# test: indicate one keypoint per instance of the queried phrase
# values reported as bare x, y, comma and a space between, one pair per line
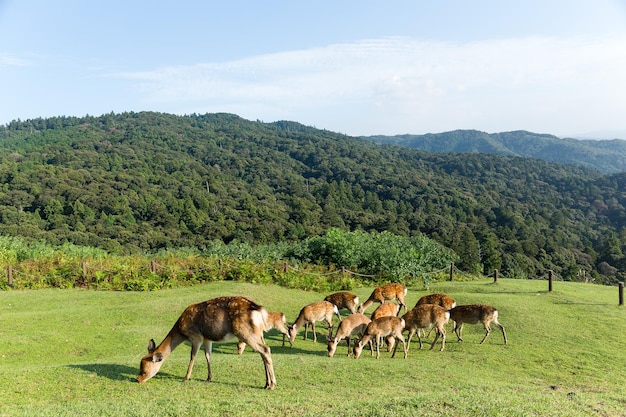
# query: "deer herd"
227, 318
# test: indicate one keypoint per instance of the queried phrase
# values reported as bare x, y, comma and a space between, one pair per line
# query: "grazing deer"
320, 310
344, 299
474, 314
387, 308
442, 300
216, 320
379, 328
383, 293
353, 324
275, 320
426, 316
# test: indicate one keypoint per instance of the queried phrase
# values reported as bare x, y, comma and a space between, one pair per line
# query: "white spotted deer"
344, 300
309, 314
216, 320
379, 328
353, 324
426, 316
474, 314
443, 300
388, 308
384, 293
275, 320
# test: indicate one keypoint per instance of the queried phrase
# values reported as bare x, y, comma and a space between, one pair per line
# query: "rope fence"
155, 268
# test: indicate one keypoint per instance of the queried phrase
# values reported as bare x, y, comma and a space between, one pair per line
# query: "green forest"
135, 183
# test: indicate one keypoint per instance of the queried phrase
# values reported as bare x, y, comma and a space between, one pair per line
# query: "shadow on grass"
117, 372
111, 371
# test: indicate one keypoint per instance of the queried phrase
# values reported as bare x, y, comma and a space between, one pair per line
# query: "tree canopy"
137, 182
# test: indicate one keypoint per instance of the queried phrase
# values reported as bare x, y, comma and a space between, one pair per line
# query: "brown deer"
215, 320
319, 310
379, 328
385, 292
344, 299
442, 300
474, 314
275, 320
426, 316
387, 308
353, 324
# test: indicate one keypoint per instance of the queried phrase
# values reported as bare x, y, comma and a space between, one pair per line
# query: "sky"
354, 67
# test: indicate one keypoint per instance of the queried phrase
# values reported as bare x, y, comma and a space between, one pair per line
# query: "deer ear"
157, 357
151, 346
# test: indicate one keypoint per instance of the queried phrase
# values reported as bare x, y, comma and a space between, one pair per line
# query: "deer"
379, 328
474, 314
275, 320
319, 310
216, 320
387, 308
442, 300
353, 324
383, 293
425, 316
344, 299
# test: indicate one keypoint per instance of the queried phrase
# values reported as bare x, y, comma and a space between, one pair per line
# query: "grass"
76, 352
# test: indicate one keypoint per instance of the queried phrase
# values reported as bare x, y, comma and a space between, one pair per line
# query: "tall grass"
76, 352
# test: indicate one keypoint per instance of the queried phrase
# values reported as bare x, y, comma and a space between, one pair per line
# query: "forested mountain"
143, 181
608, 156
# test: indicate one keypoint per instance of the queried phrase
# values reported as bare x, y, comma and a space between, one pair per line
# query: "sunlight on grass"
76, 352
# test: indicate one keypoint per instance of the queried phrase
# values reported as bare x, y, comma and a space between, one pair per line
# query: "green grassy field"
76, 352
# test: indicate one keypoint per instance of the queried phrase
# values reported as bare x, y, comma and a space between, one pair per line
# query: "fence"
154, 268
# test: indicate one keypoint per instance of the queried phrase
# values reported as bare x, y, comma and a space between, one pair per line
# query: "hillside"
608, 156
144, 181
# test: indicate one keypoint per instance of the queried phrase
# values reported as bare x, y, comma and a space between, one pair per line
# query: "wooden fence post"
285, 267
451, 270
621, 293
153, 267
550, 272
10, 275
495, 276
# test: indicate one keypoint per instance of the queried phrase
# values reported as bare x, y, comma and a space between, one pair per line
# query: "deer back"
442, 300
426, 315
353, 323
386, 309
343, 299
473, 313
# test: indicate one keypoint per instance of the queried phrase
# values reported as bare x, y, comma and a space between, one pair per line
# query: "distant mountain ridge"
607, 156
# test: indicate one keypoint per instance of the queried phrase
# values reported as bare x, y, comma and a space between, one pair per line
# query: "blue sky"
356, 67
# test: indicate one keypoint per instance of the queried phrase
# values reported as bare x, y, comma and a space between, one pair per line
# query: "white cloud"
402, 85
12, 61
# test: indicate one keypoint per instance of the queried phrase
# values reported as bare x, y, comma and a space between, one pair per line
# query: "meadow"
68, 352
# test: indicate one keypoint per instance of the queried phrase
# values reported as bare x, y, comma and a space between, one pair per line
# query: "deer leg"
330, 326
501, 328
195, 347
406, 352
419, 337
488, 329
437, 334
208, 349
458, 329
257, 343
314, 334
411, 333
